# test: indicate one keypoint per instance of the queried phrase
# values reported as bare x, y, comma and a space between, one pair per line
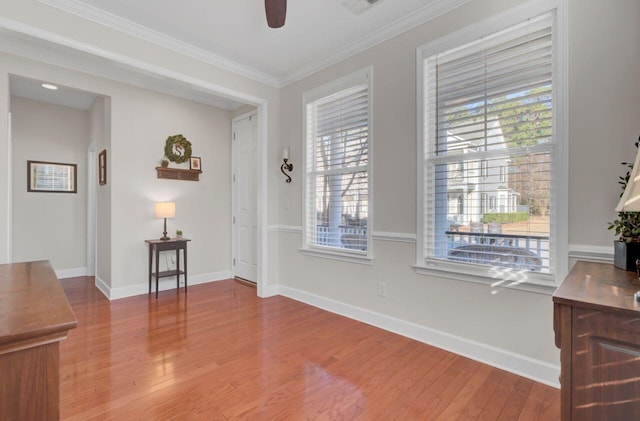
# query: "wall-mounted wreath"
177, 149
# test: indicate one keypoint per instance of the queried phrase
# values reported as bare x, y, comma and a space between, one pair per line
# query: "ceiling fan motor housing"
276, 11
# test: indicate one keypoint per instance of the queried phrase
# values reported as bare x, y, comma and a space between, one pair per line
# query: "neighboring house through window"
337, 196
488, 147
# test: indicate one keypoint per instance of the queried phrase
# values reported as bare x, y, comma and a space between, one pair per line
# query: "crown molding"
425, 14
393, 29
117, 23
125, 62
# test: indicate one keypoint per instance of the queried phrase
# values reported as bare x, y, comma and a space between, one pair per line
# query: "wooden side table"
155, 247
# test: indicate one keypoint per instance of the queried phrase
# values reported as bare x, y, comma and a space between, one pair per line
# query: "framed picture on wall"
51, 177
194, 163
102, 167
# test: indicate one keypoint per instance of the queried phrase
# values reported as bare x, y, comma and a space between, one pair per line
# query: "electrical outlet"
382, 289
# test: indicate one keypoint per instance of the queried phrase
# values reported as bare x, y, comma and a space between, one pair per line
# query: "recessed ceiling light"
359, 6
49, 86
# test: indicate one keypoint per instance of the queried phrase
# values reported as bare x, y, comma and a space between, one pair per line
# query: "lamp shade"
165, 209
630, 200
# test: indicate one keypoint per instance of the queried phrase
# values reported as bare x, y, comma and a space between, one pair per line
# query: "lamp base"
625, 255
165, 237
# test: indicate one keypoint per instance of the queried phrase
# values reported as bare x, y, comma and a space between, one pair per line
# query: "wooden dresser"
34, 316
597, 328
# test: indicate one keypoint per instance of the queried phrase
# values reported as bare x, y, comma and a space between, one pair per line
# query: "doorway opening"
56, 129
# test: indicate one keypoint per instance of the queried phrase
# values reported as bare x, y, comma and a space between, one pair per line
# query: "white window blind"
337, 171
489, 144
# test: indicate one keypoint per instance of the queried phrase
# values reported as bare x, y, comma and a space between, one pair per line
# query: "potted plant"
178, 233
164, 163
627, 226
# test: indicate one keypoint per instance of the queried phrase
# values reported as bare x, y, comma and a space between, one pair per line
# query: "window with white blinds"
337, 168
489, 150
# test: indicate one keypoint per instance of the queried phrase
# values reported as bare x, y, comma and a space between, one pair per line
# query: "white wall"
242, 110
5, 160
134, 135
604, 96
49, 226
604, 62
604, 108
100, 126
30, 18
141, 122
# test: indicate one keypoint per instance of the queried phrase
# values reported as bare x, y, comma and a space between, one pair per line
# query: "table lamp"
630, 202
165, 210
630, 199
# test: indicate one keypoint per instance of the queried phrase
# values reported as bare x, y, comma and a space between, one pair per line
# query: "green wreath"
177, 149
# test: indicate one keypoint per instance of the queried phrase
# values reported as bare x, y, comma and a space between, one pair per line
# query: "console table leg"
185, 268
178, 270
157, 269
150, 265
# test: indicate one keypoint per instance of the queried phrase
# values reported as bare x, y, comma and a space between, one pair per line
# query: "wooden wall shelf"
178, 174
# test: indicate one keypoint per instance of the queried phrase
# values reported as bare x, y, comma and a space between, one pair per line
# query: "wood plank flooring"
220, 353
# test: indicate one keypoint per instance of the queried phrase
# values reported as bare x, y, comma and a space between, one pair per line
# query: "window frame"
363, 76
484, 274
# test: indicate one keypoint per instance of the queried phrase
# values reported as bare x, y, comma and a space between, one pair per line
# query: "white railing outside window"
489, 144
337, 197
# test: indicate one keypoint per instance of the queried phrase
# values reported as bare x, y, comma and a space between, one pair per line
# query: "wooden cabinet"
597, 328
34, 316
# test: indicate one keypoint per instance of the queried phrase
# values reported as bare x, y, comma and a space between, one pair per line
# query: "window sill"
495, 277
343, 257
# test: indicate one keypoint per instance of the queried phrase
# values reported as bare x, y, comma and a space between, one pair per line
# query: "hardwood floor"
219, 353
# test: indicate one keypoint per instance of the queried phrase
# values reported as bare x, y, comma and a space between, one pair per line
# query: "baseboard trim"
71, 273
164, 285
268, 291
102, 287
521, 365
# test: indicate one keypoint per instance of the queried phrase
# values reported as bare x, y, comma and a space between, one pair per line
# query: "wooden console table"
34, 317
155, 247
597, 328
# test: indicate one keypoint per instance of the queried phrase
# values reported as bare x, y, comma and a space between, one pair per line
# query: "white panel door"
245, 215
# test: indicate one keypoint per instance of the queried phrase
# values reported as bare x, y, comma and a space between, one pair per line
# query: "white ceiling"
234, 34
32, 89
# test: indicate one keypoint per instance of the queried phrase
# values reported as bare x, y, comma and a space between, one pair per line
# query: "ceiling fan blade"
276, 11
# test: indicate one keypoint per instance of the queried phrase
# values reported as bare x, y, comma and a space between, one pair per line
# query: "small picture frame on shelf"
194, 163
